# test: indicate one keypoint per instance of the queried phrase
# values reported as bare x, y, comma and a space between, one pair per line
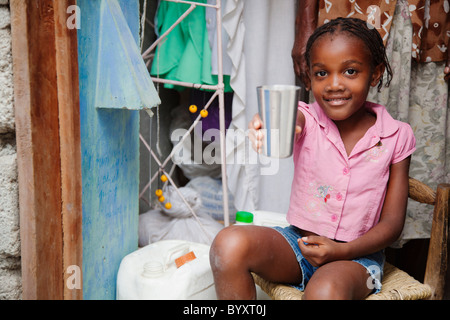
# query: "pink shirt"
340, 196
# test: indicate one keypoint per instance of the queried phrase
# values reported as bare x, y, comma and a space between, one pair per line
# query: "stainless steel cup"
277, 105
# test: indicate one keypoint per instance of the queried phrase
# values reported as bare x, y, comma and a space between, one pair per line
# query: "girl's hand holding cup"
255, 133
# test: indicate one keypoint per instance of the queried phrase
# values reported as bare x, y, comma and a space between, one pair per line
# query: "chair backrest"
437, 260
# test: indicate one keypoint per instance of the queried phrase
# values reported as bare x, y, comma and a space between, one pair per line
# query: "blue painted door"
110, 163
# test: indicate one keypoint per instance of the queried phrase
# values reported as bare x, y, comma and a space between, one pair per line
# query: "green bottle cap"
244, 216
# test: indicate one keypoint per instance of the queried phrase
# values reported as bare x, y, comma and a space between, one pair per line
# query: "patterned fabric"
418, 94
431, 29
378, 13
430, 19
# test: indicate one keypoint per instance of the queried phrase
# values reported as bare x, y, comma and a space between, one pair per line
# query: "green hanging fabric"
185, 54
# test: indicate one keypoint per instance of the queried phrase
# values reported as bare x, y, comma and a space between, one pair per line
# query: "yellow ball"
163, 178
193, 108
161, 199
159, 193
204, 113
168, 205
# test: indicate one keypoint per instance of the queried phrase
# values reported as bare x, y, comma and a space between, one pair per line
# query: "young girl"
350, 185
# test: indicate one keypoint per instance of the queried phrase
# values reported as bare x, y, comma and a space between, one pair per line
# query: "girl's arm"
382, 235
392, 216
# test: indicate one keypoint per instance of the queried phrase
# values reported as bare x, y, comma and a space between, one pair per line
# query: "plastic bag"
178, 223
211, 194
179, 208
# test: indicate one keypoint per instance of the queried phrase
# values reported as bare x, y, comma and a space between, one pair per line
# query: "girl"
350, 184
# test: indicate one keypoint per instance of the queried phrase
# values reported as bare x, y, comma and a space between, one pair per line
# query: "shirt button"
345, 171
334, 218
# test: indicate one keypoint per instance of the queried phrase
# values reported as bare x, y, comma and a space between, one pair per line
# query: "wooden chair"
397, 284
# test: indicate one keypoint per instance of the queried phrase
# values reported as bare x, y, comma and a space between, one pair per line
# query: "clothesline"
189, 84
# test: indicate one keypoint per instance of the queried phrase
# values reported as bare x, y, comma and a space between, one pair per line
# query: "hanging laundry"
198, 97
185, 54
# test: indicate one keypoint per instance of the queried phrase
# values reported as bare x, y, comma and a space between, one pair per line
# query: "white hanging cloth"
261, 36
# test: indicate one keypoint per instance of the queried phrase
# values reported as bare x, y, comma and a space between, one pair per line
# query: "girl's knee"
340, 280
230, 247
325, 290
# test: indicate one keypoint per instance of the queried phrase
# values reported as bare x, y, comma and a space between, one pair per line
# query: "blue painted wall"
110, 165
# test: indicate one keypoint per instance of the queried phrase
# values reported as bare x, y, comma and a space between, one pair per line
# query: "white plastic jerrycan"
167, 270
269, 219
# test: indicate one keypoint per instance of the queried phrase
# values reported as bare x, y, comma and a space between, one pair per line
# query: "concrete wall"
10, 272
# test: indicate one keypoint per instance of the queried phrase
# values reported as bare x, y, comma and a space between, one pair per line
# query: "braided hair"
360, 29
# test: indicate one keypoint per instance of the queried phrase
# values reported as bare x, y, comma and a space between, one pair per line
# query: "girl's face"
341, 74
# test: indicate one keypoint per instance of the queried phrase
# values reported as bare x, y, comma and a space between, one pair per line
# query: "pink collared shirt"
340, 196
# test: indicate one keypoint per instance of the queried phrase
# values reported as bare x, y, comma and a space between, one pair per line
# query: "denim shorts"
373, 263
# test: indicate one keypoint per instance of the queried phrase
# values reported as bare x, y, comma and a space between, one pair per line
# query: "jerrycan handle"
174, 253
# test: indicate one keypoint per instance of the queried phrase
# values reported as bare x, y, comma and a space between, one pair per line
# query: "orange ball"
204, 113
161, 199
193, 108
159, 193
163, 178
168, 205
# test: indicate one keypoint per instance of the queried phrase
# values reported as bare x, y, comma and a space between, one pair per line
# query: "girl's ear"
377, 74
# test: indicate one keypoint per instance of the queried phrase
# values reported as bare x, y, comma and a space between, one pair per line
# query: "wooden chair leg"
438, 250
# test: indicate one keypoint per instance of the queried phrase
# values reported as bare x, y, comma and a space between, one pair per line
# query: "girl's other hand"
255, 134
320, 250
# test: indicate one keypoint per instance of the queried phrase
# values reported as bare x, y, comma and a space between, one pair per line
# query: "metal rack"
218, 93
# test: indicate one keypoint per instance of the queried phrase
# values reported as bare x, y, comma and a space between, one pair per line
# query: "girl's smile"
337, 101
341, 75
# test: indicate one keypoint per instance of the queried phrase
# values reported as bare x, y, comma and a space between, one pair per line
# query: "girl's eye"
350, 72
321, 73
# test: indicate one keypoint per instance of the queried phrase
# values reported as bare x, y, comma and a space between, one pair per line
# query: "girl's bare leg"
338, 280
239, 250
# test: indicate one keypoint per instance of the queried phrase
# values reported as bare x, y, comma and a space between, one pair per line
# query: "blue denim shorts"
373, 263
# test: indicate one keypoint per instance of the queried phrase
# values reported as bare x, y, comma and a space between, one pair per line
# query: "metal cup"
277, 105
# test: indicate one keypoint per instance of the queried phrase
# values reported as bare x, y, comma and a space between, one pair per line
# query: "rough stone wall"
10, 268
